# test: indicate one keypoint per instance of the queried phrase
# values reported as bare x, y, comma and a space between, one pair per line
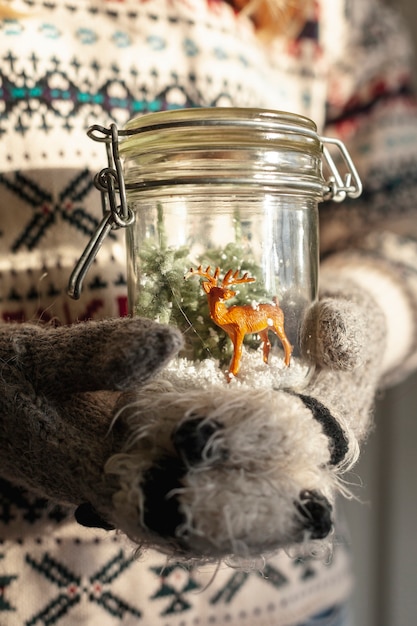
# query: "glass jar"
220, 207
224, 244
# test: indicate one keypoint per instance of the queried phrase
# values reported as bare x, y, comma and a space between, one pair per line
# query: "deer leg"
280, 332
266, 344
237, 340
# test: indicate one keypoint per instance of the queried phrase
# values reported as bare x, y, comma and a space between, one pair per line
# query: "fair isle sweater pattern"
72, 64
67, 65
114, 60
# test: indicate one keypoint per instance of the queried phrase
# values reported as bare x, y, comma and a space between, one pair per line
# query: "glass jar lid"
223, 146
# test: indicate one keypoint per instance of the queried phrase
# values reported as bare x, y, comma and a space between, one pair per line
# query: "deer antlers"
230, 278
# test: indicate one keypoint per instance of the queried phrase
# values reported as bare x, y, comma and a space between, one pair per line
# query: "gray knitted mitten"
195, 471
226, 469
58, 388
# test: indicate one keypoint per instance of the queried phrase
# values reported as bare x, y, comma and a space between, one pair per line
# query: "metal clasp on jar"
116, 214
339, 187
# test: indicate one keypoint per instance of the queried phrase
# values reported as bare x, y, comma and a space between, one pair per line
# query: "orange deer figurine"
238, 321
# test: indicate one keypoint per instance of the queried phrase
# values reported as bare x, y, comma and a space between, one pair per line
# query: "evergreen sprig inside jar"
224, 241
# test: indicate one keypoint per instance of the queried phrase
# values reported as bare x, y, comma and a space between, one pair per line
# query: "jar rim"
218, 127
207, 116
222, 145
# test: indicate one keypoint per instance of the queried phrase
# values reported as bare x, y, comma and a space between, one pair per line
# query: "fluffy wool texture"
196, 471
240, 497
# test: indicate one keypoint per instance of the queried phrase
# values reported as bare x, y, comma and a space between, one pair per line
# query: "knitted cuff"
385, 265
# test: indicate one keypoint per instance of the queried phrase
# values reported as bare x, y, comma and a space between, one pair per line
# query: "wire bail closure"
339, 188
116, 213
109, 181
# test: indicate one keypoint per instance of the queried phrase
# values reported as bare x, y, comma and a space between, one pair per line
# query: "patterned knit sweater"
66, 64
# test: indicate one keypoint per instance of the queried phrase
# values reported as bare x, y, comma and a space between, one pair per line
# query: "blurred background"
383, 525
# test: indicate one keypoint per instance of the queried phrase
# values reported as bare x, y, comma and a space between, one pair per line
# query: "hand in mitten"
58, 389
210, 470
198, 470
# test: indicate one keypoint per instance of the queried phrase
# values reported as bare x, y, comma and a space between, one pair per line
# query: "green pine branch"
169, 299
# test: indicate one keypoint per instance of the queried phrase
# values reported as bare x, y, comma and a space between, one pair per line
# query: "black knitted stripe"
339, 445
